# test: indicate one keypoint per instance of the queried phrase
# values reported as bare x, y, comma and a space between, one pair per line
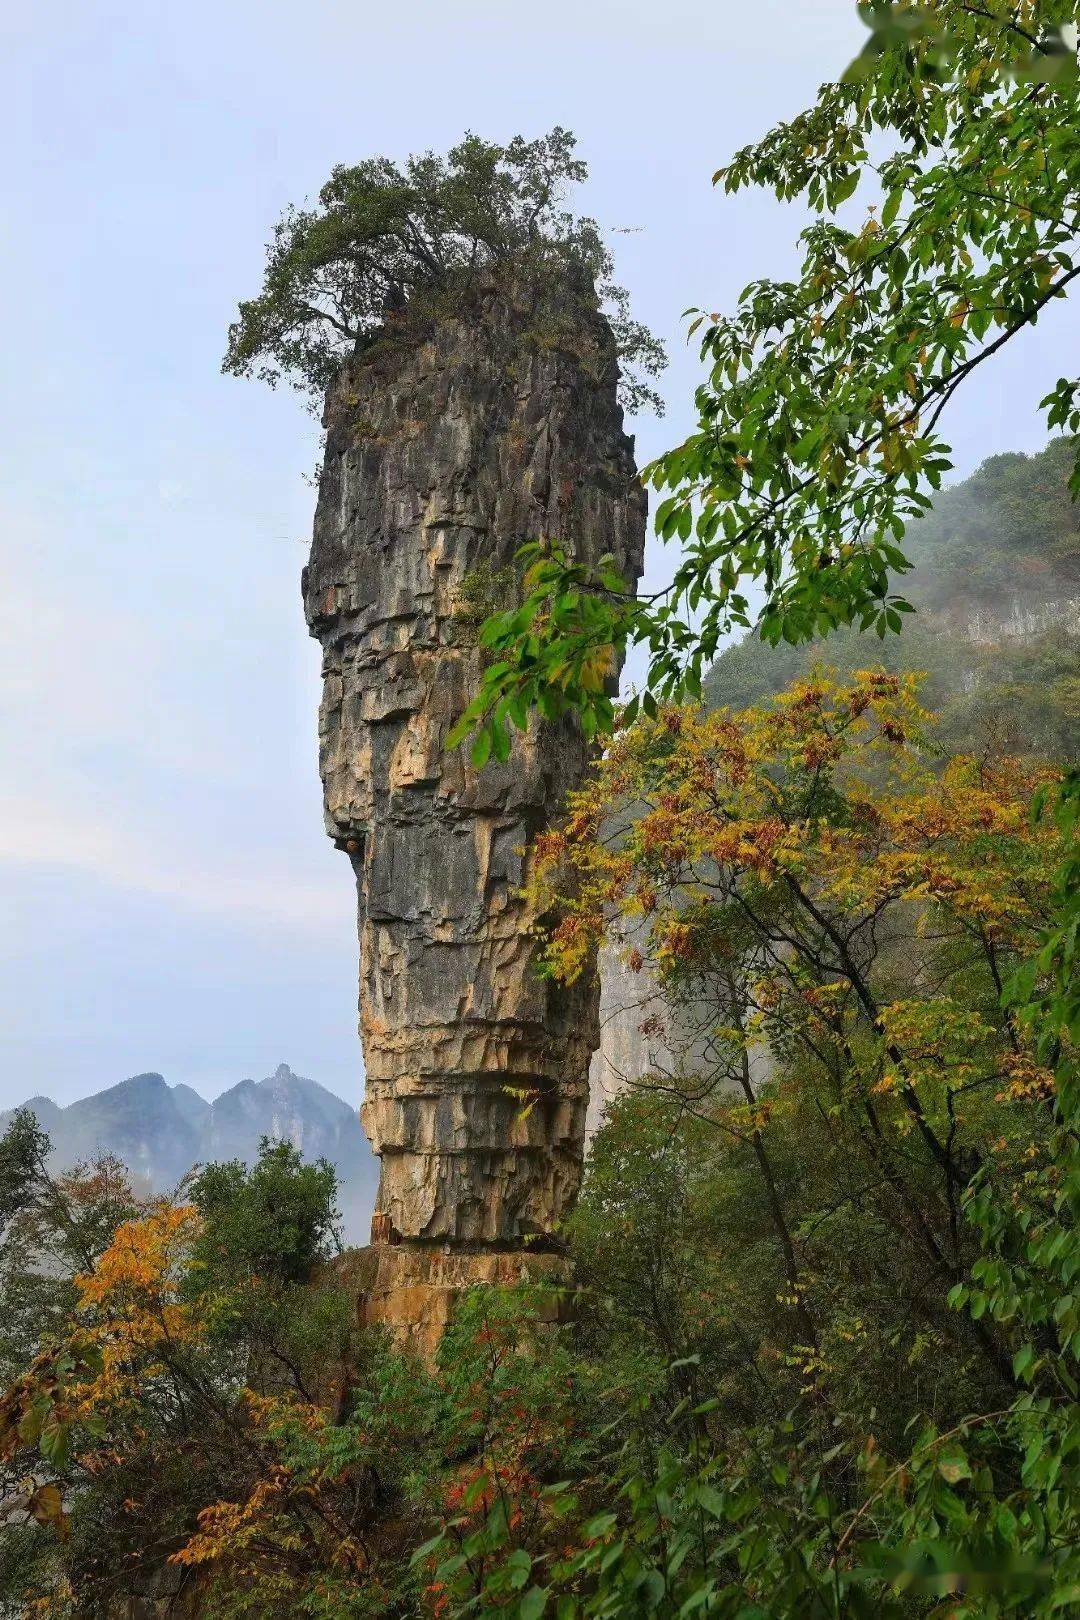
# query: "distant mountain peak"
193, 1100
161, 1131
45, 1111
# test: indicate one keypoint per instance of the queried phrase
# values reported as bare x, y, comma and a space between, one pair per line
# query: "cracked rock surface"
449, 444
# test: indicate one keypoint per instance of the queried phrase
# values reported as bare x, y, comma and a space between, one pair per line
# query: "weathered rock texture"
410, 1290
449, 444
633, 1027
645, 1033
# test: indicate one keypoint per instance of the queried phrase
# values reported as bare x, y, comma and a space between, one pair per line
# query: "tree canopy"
822, 410
385, 235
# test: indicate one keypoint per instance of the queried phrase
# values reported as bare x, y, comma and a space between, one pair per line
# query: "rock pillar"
450, 442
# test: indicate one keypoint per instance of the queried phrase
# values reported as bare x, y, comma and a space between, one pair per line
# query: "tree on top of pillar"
386, 237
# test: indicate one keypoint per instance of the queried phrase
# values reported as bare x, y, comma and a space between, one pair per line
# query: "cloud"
252, 893
147, 743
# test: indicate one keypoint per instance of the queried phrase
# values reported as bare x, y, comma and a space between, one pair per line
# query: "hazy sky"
169, 900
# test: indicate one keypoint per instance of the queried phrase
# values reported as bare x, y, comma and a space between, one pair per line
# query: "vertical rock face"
633, 1027
449, 444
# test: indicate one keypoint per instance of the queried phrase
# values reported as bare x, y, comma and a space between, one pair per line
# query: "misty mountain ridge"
160, 1132
996, 582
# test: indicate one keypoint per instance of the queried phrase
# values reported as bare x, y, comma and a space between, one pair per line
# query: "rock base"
411, 1290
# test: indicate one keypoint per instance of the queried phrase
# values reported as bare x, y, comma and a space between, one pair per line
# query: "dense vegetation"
996, 581
818, 446
821, 412
821, 1364
148, 1333
387, 237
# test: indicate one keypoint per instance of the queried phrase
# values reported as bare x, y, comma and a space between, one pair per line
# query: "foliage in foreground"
819, 434
826, 1358
151, 1336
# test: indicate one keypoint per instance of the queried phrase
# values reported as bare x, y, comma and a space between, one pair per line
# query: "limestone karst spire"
449, 444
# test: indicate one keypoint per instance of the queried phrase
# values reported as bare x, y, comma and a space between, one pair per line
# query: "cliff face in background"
161, 1131
447, 448
996, 582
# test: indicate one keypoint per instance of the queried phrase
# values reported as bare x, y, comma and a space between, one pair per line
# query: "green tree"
260, 1261
820, 418
996, 574
52, 1227
385, 236
274, 1219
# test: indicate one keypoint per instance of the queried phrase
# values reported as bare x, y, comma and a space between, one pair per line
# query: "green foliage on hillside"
1011, 530
996, 581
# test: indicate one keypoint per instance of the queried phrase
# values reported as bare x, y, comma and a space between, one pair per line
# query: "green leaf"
519, 1566
55, 1443
33, 1421
711, 1500
533, 1604
500, 742
654, 1588
697, 1599
891, 207
952, 1464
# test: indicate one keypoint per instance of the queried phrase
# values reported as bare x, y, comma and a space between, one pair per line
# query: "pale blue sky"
169, 899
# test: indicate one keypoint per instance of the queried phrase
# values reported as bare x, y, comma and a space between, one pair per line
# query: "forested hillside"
996, 582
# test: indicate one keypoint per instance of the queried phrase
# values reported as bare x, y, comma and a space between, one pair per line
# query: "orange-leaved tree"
834, 1198
831, 909
160, 1385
